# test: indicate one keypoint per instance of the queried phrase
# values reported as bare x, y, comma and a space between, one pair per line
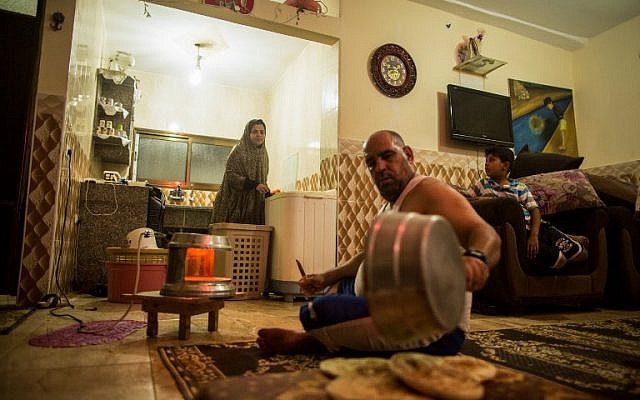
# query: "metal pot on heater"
196, 266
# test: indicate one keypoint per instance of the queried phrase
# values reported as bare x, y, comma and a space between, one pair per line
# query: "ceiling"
567, 24
164, 43
245, 57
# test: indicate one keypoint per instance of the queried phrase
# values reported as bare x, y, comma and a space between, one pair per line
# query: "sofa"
622, 200
568, 201
515, 284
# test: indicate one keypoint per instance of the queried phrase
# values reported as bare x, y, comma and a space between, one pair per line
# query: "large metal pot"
414, 276
196, 266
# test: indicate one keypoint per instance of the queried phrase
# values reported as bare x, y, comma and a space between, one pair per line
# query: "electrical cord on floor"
82, 328
54, 301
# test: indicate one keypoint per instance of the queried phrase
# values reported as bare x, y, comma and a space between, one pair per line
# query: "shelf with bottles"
106, 129
113, 120
114, 106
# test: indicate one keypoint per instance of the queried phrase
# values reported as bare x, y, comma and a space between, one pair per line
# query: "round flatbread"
433, 376
478, 369
382, 387
366, 366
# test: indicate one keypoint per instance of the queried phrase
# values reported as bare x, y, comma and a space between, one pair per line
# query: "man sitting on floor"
342, 321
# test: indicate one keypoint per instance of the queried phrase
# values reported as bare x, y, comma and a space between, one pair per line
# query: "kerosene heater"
196, 266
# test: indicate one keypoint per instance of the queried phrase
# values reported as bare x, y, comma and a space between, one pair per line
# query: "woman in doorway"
244, 185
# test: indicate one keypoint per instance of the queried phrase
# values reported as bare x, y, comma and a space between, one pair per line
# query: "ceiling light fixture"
196, 76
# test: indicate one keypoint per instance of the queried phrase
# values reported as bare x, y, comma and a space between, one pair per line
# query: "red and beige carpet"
593, 358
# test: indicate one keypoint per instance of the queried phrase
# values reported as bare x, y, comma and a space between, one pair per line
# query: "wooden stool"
154, 302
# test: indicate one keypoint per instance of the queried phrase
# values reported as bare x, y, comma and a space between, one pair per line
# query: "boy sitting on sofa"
547, 246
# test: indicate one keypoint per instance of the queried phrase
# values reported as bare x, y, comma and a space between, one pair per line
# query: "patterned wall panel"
329, 172
358, 201
41, 201
53, 204
194, 198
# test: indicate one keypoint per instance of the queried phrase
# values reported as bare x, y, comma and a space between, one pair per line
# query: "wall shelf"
479, 65
111, 149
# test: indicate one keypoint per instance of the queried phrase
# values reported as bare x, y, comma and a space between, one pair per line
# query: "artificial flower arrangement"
470, 46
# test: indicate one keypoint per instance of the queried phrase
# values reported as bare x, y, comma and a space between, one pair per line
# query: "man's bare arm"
316, 282
347, 270
433, 197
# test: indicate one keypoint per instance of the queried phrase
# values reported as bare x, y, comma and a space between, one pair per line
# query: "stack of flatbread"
407, 376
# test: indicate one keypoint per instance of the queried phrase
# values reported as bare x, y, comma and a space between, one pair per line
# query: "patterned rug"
94, 332
602, 358
599, 357
194, 366
12, 317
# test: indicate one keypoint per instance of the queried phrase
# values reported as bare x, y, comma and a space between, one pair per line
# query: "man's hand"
312, 283
476, 273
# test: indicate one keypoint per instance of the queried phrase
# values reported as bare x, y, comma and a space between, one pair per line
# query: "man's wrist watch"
476, 254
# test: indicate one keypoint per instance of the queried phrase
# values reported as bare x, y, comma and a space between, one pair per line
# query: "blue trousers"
346, 306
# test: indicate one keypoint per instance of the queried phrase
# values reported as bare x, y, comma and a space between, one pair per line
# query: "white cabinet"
304, 228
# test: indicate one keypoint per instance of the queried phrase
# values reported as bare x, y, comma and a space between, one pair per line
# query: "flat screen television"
479, 117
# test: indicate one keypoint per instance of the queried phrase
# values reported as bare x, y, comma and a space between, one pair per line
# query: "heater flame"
199, 264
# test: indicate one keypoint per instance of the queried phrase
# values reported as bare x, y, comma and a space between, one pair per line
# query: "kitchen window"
167, 159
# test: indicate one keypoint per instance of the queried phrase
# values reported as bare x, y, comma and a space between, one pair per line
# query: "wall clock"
392, 70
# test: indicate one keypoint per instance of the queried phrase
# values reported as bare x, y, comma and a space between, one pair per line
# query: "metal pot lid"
414, 275
187, 239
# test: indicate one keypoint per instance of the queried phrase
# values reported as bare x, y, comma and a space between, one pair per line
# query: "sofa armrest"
499, 210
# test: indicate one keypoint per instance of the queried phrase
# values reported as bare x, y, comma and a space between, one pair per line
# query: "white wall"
86, 58
366, 24
56, 49
607, 96
303, 106
422, 31
208, 110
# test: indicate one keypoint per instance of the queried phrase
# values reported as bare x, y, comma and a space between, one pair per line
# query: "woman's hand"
312, 283
262, 188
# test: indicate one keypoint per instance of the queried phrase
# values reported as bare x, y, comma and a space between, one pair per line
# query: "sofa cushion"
614, 191
562, 191
527, 164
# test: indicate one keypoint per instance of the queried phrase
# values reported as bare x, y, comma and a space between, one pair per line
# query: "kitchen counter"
107, 212
183, 218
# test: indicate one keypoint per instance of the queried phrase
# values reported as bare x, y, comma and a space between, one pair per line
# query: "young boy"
547, 246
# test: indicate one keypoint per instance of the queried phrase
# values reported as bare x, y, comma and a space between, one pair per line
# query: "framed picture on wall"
543, 118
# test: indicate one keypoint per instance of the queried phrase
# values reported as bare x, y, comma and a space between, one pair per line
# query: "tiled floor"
131, 368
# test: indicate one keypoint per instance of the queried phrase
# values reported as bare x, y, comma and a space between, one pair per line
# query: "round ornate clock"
392, 70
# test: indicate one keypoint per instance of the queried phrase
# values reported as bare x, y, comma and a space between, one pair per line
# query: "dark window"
167, 159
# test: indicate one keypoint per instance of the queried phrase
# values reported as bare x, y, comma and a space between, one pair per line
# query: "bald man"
341, 321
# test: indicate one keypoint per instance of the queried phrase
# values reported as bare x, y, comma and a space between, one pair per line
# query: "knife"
304, 274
